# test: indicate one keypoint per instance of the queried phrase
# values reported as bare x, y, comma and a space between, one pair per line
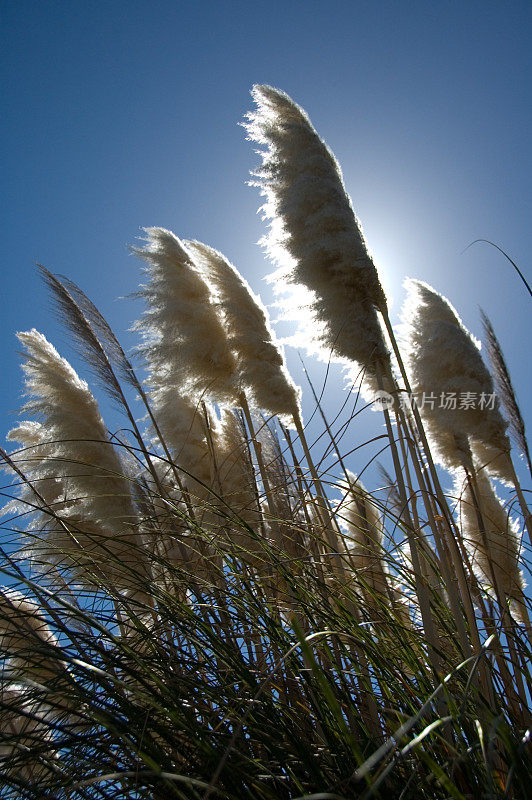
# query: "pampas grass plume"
90, 513
261, 365
444, 359
363, 524
186, 345
24, 729
500, 548
23, 628
315, 236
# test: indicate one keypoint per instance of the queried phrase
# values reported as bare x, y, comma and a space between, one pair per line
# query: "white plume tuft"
89, 517
185, 345
315, 236
444, 360
498, 551
237, 484
24, 730
24, 633
364, 546
261, 365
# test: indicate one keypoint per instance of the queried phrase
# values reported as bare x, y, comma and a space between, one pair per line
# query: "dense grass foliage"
194, 607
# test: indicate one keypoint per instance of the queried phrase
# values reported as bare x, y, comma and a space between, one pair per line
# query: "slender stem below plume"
442, 551
328, 519
454, 534
522, 502
502, 599
421, 587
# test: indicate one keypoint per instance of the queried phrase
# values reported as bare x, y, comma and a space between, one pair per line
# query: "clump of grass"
199, 609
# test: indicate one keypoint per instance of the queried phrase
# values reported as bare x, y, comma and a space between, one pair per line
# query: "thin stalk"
421, 587
500, 595
449, 581
330, 524
454, 534
522, 502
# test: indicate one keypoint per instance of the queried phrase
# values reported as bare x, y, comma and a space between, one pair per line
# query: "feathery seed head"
19, 617
24, 631
24, 728
237, 482
72, 433
498, 551
185, 342
34, 461
261, 365
183, 428
363, 524
237, 477
89, 517
315, 236
445, 362
358, 511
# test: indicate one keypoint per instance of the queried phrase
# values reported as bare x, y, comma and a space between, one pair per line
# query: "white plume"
89, 517
24, 634
237, 485
186, 345
24, 730
261, 365
315, 236
183, 429
444, 361
499, 550
362, 522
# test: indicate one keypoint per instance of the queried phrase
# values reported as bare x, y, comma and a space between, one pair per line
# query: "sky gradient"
123, 115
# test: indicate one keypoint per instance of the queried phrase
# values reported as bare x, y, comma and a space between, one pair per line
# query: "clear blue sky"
119, 115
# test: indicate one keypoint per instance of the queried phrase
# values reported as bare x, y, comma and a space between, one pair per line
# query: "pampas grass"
261, 365
185, 343
365, 550
23, 629
445, 362
495, 550
24, 732
90, 519
501, 376
315, 237
194, 606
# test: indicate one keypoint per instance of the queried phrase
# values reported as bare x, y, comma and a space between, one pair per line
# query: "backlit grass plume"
240, 506
451, 383
24, 633
88, 519
235, 468
315, 236
25, 733
185, 343
183, 428
261, 365
503, 382
380, 595
364, 543
492, 541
